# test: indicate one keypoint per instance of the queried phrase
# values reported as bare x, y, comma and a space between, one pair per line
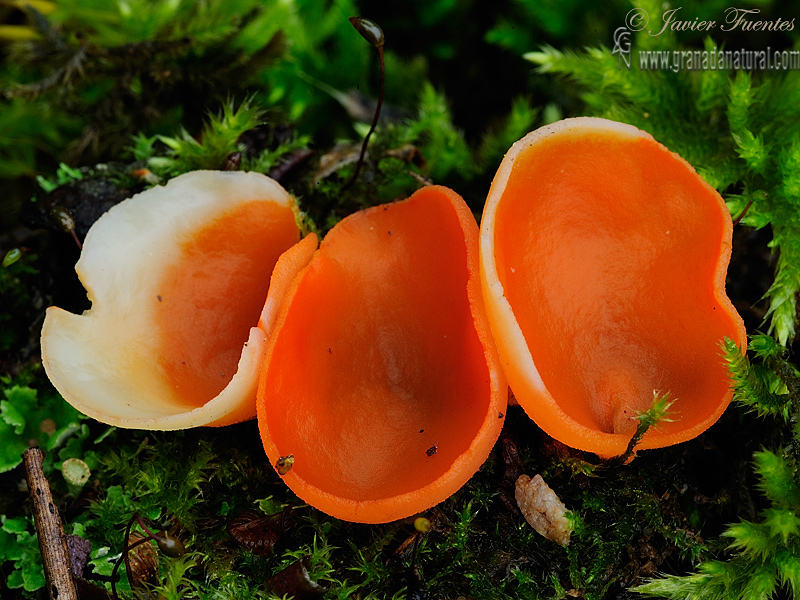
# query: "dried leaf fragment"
257, 532
542, 508
142, 561
296, 582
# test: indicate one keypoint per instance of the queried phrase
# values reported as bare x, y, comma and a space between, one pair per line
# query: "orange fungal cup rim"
524, 376
396, 506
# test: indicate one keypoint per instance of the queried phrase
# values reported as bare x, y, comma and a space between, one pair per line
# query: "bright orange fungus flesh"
611, 252
381, 377
214, 294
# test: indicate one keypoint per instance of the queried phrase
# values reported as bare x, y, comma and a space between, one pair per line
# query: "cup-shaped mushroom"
177, 276
381, 380
603, 262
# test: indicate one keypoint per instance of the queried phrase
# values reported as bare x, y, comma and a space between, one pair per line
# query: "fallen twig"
52, 541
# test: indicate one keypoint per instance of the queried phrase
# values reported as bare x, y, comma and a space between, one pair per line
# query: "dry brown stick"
52, 541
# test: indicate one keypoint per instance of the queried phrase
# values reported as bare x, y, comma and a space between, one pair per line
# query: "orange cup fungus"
380, 378
177, 277
603, 260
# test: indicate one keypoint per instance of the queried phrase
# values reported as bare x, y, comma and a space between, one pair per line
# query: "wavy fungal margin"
603, 260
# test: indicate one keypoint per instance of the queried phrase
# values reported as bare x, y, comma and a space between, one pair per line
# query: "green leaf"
32, 576
12, 447
59, 437
11, 257
64, 174
22, 398
270, 506
28, 571
11, 416
14, 580
101, 561
9, 549
15, 525
21, 416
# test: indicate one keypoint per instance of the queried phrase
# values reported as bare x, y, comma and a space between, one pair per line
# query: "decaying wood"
52, 541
